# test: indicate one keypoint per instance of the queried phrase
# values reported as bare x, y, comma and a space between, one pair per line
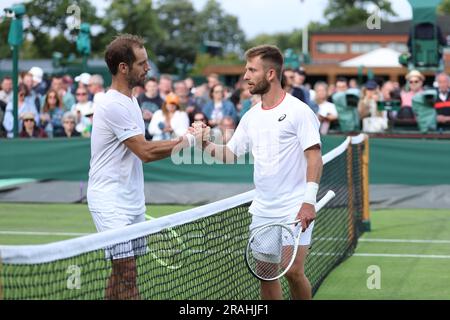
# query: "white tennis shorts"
111, 220
267, 247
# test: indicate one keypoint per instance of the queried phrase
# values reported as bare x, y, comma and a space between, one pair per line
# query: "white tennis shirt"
277, 138
116, 177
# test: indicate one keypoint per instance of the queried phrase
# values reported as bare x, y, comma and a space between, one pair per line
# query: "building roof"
378, 58
387, 28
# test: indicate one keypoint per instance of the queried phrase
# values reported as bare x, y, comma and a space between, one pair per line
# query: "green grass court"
410, 247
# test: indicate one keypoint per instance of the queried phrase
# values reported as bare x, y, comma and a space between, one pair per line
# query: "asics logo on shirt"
282, 118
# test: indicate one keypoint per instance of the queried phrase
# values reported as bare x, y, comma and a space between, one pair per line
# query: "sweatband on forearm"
311, 193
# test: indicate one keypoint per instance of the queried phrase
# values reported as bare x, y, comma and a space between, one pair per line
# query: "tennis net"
194, 254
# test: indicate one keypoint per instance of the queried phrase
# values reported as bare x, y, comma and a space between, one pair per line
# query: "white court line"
404, 240
390, 255
35, 233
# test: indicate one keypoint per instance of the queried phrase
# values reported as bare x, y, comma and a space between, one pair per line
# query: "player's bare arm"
307, 212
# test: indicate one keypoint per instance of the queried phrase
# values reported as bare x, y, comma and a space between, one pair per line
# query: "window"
363, 47
331, 47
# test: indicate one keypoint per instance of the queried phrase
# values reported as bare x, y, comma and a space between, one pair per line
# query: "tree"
215, 25
341, 13
282, 40
47, 18
177, 48
444, 7
138, 17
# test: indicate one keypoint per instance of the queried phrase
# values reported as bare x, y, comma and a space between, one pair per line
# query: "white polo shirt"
277, 139
116, 177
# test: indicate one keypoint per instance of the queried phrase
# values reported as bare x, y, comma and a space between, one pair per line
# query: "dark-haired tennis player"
283, 135
118, 149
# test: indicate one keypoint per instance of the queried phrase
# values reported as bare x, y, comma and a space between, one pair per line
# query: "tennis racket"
167, 247
272, 248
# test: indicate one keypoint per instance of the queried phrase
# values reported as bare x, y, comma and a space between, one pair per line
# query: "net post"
351, 209
365, 185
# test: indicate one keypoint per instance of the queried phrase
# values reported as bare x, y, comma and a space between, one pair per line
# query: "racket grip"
325, 199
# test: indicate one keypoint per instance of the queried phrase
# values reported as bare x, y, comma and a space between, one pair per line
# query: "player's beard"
135, 80
261, 87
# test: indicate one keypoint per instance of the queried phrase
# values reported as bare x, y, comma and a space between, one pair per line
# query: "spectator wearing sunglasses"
29, 127
82, 108
24, 105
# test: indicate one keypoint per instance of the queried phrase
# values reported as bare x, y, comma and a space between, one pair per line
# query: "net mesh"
200, 259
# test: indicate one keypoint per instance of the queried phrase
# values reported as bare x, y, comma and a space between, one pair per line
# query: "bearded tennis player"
282, 133
118, 149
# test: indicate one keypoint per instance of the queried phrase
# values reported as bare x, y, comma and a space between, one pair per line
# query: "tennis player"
283, 135
118, 148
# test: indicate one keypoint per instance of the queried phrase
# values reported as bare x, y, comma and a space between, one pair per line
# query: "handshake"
198, 134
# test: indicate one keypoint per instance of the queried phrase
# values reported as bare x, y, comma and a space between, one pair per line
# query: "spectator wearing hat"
169, 122
24, 105
29, 127
82, 80
372, 119
52, 113
39, 85
68, 122
33, 96
218, 107
415, 81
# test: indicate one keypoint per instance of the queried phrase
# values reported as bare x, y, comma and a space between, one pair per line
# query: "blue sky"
268, 16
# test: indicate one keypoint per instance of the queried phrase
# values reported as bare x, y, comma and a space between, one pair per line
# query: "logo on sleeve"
282, 117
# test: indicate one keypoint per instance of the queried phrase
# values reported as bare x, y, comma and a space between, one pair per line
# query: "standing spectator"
442, 104
327, 112
69, 122
39, 85
96, 89
165, 85
372, 119
24, 105
169, 122
6, 91
187, 103
29, 127
150, 102
58, 85
52, 113
341, 84
288, 85
218, 107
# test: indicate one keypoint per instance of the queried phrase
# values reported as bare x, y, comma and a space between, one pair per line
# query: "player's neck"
273, 97
121, 86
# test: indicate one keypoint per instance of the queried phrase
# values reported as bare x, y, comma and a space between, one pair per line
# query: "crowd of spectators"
64, 106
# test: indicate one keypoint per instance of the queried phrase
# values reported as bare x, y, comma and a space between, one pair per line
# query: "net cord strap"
34, 254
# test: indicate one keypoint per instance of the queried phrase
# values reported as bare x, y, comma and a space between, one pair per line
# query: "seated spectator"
68, 122
6, 89
170, 121
187, 103
415, 82
372, 119
200, 116
327, 112
24, 105
219, 107
442, 104
82, 108
29, 127
52, 113
287, 82
96, 89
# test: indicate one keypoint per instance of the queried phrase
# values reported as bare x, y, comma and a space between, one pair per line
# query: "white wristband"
191, 139
311, 193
